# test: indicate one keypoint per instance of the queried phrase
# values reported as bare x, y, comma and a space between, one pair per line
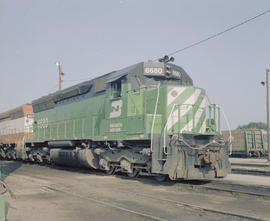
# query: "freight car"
246, 142
146, 119
16, 126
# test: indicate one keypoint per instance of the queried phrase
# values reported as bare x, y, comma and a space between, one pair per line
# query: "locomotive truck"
146, 119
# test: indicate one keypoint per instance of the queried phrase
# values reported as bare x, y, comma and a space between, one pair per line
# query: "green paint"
2, 207
123, 115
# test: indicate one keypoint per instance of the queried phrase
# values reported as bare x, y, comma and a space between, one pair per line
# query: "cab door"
116, 110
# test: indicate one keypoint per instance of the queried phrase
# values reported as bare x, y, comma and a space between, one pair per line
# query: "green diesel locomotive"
146, 119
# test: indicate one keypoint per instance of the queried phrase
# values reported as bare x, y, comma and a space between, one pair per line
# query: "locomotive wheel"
2, 153
161, 178
13, 156
48, 159
111, 170
39, 158
134, 173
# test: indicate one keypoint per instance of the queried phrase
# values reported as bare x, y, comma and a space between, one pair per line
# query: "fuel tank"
75, 158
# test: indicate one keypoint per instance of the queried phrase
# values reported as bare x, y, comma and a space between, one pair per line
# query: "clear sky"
93, 37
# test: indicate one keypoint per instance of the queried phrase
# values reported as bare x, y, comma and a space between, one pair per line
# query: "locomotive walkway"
45, 193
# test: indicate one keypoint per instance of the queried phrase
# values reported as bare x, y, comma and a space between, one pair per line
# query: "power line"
198, 42
219, 33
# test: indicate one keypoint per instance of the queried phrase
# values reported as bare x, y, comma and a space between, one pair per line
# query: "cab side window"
116, 89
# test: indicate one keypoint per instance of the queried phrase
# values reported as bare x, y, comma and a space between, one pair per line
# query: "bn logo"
116, 109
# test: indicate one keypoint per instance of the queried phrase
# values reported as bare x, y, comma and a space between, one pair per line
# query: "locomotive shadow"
8, 167
152, 181
142, 179
81, 170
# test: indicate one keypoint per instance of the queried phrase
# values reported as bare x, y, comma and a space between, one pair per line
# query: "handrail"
164, 134
211, 107
154, 117
229, 128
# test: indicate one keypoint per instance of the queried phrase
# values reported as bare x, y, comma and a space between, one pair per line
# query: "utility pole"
60, 74
267, 111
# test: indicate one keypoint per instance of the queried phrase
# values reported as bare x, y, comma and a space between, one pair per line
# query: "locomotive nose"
186, 110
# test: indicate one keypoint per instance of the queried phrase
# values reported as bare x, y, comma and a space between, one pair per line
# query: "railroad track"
225, 188
235, 190
200, 208
251, 171
262, 169
106, 203
196, 208
214, 188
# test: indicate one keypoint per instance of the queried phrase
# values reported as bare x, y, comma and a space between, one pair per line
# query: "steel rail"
252, 165
93, 199
179, 203
217, 186
233, 192
250, 172
174, 202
